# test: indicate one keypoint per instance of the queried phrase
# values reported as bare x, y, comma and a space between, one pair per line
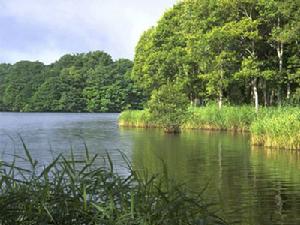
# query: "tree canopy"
241, 51
91, 82
233, 51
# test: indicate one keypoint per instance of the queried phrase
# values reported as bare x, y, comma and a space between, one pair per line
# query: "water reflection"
253, 186
49, 134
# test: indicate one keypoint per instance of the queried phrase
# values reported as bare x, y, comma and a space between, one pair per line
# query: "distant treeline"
90, 82
229, 51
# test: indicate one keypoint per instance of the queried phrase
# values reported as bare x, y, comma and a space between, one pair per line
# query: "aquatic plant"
228, 118
278, 130
277, 127
136, 118
71, 191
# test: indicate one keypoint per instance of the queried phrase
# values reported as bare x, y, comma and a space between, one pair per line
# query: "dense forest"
90, 82
227, 51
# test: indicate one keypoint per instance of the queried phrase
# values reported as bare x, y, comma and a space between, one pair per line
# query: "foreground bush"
69, 191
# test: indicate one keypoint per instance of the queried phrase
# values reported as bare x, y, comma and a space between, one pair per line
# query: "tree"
47, 97
75, 83
220, 73
281, 18
251, 69
23, 80
110, 89
204, 43
4, 72
165, 54
168, 106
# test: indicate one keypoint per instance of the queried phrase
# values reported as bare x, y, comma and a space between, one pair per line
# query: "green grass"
77, 192
229, 118
137, 118
278, 129
270, 127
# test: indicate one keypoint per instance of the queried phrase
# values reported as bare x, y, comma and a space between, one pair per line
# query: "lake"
252, 186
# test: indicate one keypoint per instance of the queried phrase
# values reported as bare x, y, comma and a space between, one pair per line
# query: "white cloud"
82, 25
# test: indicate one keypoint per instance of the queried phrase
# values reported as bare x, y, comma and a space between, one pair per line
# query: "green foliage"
296, 97
168, 105
162, 55
278, 128
22, 79
137, 118
4, 71
229, 118
249, 68
74, 191
271, 127
90, 82
215, 46
239, 50
110, 89
47, 97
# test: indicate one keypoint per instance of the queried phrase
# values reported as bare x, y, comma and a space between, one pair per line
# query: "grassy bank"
270, 127
280, 129
229, 118
137, 119
76, 192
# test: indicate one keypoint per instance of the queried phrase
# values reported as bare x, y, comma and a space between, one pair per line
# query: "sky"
44, 30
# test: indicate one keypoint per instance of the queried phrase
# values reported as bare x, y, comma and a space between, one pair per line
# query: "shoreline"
277, 128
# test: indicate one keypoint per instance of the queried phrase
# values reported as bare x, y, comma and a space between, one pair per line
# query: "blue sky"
44, 30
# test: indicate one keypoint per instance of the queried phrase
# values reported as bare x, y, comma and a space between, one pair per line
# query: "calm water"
252, 186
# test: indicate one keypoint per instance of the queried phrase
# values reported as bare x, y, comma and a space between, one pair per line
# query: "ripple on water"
252, 186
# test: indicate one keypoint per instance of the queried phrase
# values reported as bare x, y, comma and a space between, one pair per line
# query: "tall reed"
69, 191
228, 118
279, 129
276, 127
137, 118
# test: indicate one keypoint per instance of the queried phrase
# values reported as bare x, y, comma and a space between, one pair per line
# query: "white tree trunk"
255, 94
280, 47
220, 101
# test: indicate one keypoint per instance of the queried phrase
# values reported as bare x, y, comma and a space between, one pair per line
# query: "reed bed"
279, 129
276, 127
69, 191
228, 118
137, 118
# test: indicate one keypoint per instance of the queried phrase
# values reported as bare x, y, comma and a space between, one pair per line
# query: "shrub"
168, 106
